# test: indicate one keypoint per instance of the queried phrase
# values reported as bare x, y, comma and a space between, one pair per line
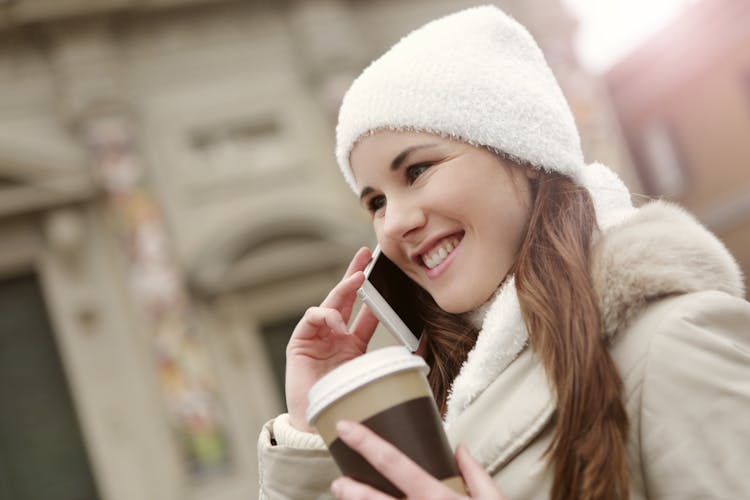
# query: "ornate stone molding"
274, 249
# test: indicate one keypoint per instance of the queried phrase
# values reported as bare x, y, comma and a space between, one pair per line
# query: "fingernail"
344, 428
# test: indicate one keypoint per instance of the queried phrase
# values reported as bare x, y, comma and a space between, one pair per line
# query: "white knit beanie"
477, 76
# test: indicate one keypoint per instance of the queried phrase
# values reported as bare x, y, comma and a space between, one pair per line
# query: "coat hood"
661, 250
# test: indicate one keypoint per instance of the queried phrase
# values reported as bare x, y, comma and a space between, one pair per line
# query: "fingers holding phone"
364, 324
342, 296
321, 340
340, 299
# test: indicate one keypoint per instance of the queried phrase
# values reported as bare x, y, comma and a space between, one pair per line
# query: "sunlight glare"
609, 29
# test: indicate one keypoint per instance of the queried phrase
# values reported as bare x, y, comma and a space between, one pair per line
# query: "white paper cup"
387, 391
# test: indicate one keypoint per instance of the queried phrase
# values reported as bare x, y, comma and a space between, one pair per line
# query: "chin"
456, 306
463, 302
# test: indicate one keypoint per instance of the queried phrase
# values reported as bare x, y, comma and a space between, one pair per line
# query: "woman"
579, 347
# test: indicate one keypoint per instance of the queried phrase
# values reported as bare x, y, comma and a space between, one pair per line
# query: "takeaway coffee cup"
387, 391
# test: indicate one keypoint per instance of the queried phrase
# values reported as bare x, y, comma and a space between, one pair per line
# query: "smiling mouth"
441, 251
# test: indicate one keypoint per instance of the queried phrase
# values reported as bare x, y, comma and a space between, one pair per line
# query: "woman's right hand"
321, 340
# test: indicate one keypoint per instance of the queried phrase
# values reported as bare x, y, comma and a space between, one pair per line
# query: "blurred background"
170, 204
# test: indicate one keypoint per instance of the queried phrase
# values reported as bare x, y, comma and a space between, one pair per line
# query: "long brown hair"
559, 307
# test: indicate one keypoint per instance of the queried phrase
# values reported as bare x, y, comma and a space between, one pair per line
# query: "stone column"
94, 103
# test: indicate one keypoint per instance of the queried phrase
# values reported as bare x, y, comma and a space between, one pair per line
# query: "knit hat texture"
477, 76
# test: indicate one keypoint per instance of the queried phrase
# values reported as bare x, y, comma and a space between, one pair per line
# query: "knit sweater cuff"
287, 435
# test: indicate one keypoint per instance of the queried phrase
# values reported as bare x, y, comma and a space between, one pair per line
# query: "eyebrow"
403, 155
398, 161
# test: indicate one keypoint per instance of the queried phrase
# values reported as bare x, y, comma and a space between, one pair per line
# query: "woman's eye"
414, 171
375, 203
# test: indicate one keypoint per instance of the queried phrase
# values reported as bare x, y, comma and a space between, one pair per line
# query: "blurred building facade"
683, 101
169, 206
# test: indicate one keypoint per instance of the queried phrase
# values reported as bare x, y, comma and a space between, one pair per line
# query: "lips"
440, 250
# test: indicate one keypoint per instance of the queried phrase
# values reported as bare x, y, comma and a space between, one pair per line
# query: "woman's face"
450, 215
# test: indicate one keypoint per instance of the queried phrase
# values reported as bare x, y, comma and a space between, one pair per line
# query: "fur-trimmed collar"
661, 250
655, 251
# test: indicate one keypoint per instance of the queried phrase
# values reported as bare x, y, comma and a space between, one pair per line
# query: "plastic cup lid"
358, 372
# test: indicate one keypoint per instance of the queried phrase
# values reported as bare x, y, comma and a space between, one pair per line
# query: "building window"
258, 147
275, 336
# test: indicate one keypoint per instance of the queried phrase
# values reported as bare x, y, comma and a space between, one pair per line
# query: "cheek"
387, 245
515, 226
377, 227
507, 223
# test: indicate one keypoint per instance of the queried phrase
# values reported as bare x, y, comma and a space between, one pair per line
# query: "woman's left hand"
404, 473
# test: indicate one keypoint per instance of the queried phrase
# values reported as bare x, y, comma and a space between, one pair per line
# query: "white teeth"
437, 255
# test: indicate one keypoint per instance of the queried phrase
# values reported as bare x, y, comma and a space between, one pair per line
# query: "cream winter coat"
672, 308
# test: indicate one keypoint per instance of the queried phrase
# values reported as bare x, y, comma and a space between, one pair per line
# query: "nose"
403, 218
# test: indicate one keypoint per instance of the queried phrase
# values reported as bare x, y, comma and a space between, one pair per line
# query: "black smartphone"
391, 296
